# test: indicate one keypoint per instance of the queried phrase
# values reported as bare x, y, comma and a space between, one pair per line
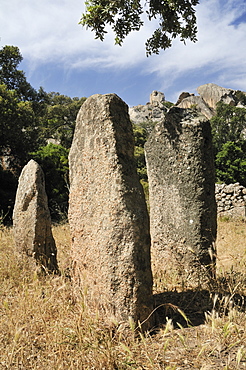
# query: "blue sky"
61, 56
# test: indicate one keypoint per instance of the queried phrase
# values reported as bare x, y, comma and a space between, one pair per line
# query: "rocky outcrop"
212, 94
31, 220
231, 200
107, 212
157, 98
183, 96
197, 103
209, 95
153, 111
181, 194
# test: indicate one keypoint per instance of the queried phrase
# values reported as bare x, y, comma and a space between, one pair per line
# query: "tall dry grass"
45, 324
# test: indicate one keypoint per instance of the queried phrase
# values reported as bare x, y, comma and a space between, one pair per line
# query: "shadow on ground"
189, 308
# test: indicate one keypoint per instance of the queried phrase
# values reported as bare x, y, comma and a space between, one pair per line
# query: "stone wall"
231, 200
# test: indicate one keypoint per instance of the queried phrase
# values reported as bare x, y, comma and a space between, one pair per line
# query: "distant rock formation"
181, 195
183, 96
31, 219
153, 111
210, 95
197, 103
157, 98
107, 212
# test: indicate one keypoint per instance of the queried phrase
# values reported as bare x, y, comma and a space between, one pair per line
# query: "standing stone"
182, 197
31, 219
107, 211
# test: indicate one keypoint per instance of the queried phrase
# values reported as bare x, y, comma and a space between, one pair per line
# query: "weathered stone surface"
153, 111
198, 103
107, 212
140, 113
31, 219
212, 94
231, 200
182, 200
157, 98
182, 96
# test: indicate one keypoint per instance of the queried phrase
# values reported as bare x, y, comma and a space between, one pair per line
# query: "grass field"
45, 324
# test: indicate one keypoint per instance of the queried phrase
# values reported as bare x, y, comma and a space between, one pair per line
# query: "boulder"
31, 220
197, 103
212, 94
182, 96
107, 211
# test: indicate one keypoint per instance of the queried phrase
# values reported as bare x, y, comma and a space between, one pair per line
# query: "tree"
228, 130
176, 19
140, 136
230, 163
60, 117
140, 132
227, 125
14, 79
19, 133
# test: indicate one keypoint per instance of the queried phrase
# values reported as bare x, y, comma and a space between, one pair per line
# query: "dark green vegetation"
175, 19
30, 121
39, 125
228, 129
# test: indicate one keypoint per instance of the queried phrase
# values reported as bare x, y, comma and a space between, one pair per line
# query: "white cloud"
220, 48
44, 30
48, 31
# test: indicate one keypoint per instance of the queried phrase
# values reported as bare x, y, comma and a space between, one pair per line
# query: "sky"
62, 56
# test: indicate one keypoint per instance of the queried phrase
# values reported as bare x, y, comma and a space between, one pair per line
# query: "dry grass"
45, 325
231, 245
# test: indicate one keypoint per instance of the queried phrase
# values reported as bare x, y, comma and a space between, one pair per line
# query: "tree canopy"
13, 78
60, 116
19, 131
227, 125
228, 131
30, 121
176, 18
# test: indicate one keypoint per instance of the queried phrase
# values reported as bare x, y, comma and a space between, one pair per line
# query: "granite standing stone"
182, 197
107, 212
31, 219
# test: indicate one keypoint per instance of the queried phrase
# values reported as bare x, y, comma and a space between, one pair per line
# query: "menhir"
31, 220
182, 197
107, 212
